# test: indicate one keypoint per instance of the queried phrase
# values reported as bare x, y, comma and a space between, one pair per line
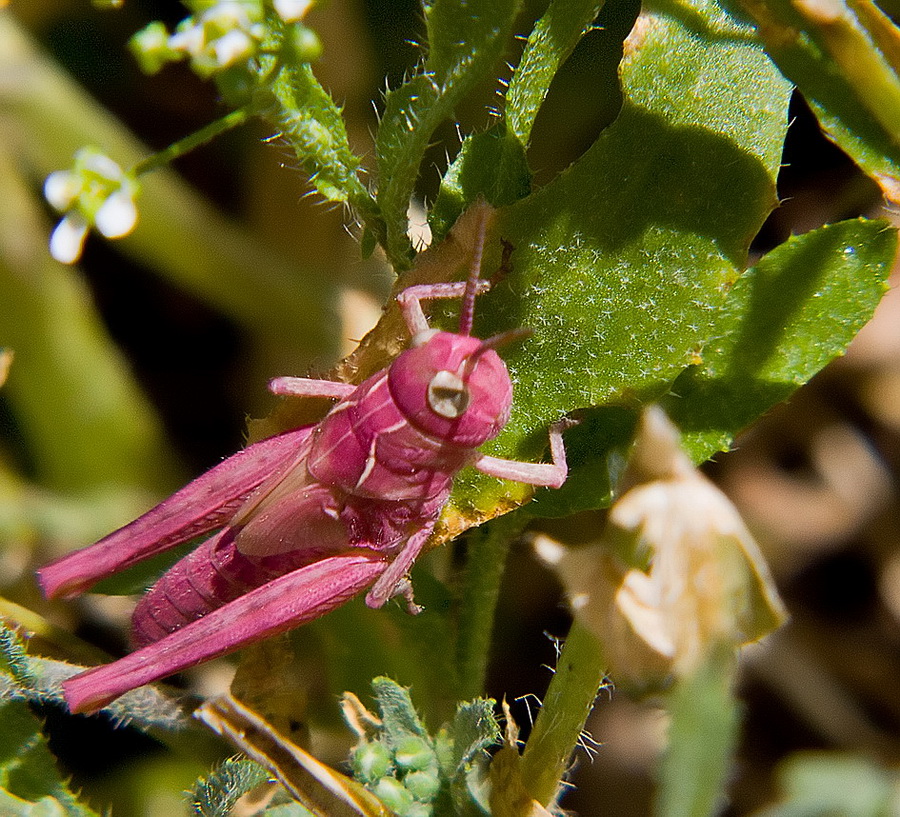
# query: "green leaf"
845, 61
550, 43
490, 164
474, 729
313, 124
29, 679
397, 710
465, 40
622, 263
13, 806
702, 735
215, 795
30, 783
784, 320
27, 769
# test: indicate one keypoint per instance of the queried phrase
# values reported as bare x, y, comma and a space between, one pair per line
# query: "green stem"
194, 140
487, 551
580, 672
703, 731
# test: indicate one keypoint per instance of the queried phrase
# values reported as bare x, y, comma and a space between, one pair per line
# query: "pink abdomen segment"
204, 580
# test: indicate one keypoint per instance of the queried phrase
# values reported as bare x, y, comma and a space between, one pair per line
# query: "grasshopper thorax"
452, 387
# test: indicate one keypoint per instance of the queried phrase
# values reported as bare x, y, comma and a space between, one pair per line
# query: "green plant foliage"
844, 57
311, 121
784, 320
413, 773
397, 711
629, 266
817, 783
216, 795
490, 164
622, 263
30, 783
550, 43
25, 678
465, 40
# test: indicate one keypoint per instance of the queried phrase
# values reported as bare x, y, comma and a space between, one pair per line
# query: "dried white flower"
676, 572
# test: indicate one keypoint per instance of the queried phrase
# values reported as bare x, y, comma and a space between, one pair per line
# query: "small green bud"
419, 810
393, 794
443, 749
413, 753
302, 44
150, 47
370, 762
423, 785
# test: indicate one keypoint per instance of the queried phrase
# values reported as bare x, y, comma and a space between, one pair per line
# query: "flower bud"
423, 785
292, 10
150, 47
371, 761
116, 216
413, 753
67, 239
393, 794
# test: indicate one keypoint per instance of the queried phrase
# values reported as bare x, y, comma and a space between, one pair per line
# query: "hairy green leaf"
30, 783
474, 729
465, 41
622, 264
26, 678
215, 795
311, 121
490, 164
397, 710
551, 41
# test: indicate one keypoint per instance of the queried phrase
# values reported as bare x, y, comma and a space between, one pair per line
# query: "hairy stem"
580, 671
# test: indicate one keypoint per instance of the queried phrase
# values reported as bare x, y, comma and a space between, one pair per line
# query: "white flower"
232, 47
99, 163
61, 188
228, 14
292, 10
117, 215
189, 40
67, 240
95, 193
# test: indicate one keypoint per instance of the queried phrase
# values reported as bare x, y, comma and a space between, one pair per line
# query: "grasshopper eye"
447, 395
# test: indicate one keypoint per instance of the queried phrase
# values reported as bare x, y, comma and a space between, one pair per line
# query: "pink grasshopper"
312, 517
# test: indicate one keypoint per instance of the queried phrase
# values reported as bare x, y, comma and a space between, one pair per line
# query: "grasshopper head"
452, 387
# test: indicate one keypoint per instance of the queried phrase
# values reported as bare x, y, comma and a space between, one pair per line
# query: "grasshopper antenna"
467, 311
